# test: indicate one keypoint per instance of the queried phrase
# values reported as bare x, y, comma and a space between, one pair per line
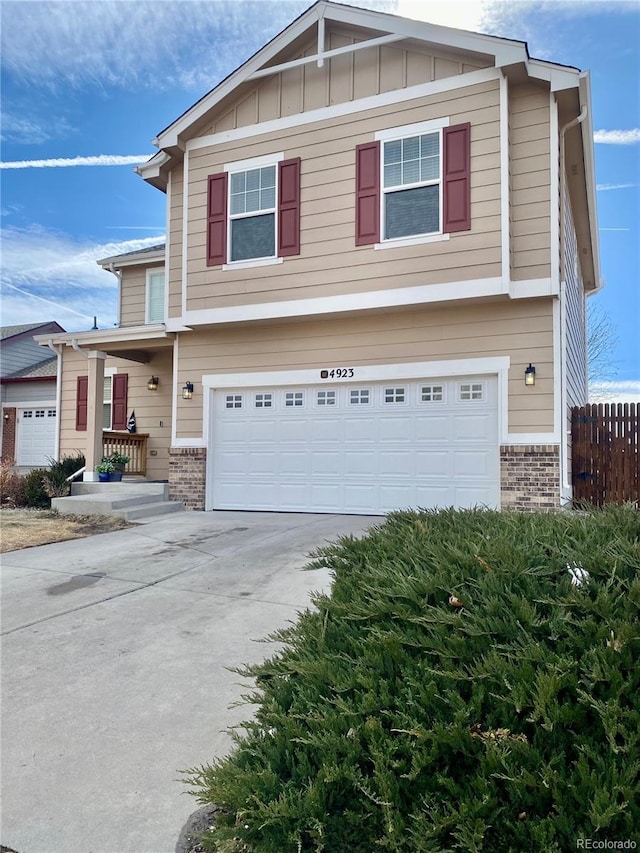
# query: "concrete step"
150, 510
102, 504
122, 489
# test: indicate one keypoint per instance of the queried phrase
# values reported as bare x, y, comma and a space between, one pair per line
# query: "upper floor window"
154, 297
253, 212
413, 184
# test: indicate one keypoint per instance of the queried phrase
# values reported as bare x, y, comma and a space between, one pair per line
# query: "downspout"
58, 351
565, 489
118, 275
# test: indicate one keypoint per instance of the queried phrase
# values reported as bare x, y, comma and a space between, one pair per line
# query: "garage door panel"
36, 436
358, 453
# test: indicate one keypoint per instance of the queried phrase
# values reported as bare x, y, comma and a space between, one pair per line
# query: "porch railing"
131, 444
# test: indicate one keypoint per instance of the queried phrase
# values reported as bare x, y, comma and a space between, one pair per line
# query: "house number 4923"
337, 373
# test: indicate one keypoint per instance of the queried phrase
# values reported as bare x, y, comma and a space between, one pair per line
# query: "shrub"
55, 478
35, 494
11, 486
470, 684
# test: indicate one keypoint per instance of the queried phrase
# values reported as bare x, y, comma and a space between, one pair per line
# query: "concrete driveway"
114, 656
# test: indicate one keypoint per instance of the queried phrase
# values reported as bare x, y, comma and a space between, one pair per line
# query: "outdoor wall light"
6, 416
152, 384
530, 375
187, 391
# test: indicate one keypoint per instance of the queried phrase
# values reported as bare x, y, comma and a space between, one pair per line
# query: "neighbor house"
28, 393
380, 235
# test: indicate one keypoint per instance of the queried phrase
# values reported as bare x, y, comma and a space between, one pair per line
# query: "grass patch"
26, 528
470, 684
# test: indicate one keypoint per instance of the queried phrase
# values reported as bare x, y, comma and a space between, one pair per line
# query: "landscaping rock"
197, 824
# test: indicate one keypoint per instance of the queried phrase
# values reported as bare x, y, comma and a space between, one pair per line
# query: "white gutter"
78, 348
565, 485
118, 275
58, 351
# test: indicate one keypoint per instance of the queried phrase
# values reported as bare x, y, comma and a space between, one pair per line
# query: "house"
381, 234
28, 393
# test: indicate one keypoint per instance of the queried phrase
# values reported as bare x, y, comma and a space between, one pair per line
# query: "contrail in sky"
99, 160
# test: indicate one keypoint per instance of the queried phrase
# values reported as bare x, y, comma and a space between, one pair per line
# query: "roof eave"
132, 260
95, 338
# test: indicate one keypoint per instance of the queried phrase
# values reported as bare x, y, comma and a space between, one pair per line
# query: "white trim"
562, 346
108, 336
133, 259
254, 163
321, 40
530, 288
174, 393
323, 114
395, 297
147, 285
251, 262
505, 235
416, 129
555, 212
185, 226
531, 438
167, 265
589, 169
34, 404
559, 77
319, 57
558, 390
415, 240
196, 441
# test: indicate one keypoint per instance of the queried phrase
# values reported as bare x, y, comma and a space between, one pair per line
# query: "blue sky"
93, 81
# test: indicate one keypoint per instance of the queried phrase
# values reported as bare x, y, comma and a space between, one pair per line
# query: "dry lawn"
25, 528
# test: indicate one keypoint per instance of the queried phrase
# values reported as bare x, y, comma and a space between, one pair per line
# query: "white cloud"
606, 187
50, 275
622, 391
617, 137
99, 160
463, 14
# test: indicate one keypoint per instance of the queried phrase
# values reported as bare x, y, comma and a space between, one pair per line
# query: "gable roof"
7, 332
151, 253
45, 369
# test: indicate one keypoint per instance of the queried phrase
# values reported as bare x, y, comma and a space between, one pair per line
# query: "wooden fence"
133, 445
605, 453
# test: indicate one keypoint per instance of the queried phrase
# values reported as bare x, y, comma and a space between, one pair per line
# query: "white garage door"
36, 436
356, 448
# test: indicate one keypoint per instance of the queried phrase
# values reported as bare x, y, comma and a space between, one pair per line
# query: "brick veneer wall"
9, 435
530, 476
187, 473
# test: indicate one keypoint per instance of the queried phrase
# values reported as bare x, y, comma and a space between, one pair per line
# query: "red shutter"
457, 178
120, 385
289, 207
367, 193
82, 391
217, 219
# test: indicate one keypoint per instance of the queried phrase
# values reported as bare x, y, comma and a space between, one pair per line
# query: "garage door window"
234, 401
27, 414
432, 394
469, 391
294, 398
51, 413
360, 397
394, 395
326, 398
264, 401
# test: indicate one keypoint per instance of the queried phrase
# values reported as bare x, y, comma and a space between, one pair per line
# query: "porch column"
95, 391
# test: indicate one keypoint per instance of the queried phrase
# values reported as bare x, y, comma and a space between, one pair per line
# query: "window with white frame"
294, 399
252, 213
154, 298
264, 401
469, 391
326, 398
233, 401
106, 403
394, 395
411, 186
359, 397
432, 394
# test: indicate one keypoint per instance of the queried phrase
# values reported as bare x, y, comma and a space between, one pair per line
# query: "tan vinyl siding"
529, 182
344, 78
329, 262
520, 329
151, 407
133, 294
174, 273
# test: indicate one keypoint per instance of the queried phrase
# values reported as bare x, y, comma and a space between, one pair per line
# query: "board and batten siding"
151, 407
329, 262
341, 79
521, 329
529, 182
133, 294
